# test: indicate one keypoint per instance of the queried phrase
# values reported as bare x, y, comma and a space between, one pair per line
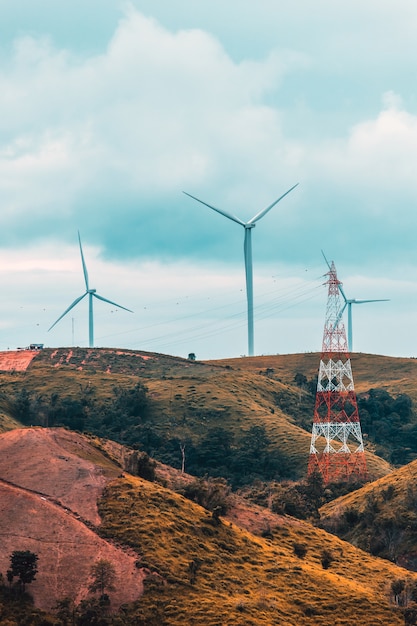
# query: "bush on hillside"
327, 558
211, 493
140, 464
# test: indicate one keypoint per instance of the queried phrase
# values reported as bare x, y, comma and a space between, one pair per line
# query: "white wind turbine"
348, 304
91, 293
248, 255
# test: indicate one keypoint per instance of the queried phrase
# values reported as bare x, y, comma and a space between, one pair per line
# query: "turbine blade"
343, 293
327, 262
119, 306
268, 208
366, 301
83, 262
339, 317
228, 215
68, 310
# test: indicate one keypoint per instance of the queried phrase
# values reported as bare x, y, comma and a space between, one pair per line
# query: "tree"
104, 575
214, 452
300, 549
92, 612
397, 588
410, 616
193, 567
253, 458
182, 448
313, 488
211, 493
300, 380
23, 564
10, 577
65, 611
327, 558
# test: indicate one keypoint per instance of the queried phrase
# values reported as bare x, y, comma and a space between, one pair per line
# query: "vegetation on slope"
249, 421
206, 572
18, 609
381, 517
390, 424
203, 568
217, 420
7, 423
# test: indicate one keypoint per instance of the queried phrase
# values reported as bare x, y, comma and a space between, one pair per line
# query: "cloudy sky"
110, 109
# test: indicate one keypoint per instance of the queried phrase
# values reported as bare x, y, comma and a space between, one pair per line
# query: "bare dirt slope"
16, 360
50, 480
59, 464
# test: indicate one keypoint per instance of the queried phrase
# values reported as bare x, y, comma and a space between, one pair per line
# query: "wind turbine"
91, 293
348, 304
247, 248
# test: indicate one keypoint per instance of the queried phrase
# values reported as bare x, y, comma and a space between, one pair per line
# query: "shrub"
300, 549
327, 558
211, 493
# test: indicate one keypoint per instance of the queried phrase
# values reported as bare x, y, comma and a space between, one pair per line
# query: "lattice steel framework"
336, 449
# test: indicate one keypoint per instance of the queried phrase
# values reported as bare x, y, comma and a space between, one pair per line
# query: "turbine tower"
91, 293
336, 449
247, 249
348, 304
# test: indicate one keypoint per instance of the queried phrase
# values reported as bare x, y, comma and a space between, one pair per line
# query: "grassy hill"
241, 578
63, 494
381, 517
7, 423
189, 401
50, 480
178, 562
396, 375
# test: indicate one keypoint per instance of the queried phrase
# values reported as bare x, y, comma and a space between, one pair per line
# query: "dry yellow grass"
7, 423
187, 398
380, 517
400, 480
396, 375
241, 579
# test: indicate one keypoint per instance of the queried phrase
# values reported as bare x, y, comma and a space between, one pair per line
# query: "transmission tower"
336, 449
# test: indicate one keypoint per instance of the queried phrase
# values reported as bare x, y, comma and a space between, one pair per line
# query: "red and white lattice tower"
336, 449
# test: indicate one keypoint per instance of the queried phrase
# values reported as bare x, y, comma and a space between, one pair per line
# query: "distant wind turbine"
248, 254
91, 293
348, 304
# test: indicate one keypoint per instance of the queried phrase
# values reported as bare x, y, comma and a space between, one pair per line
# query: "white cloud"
378, 154
155, 112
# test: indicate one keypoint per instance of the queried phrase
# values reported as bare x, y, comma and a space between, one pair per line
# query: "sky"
109, 110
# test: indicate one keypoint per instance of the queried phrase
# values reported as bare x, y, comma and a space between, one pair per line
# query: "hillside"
395, 374
381, 517
192, 568
50, 481
189, 403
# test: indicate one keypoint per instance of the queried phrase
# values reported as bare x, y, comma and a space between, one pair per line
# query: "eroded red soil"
48, 504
